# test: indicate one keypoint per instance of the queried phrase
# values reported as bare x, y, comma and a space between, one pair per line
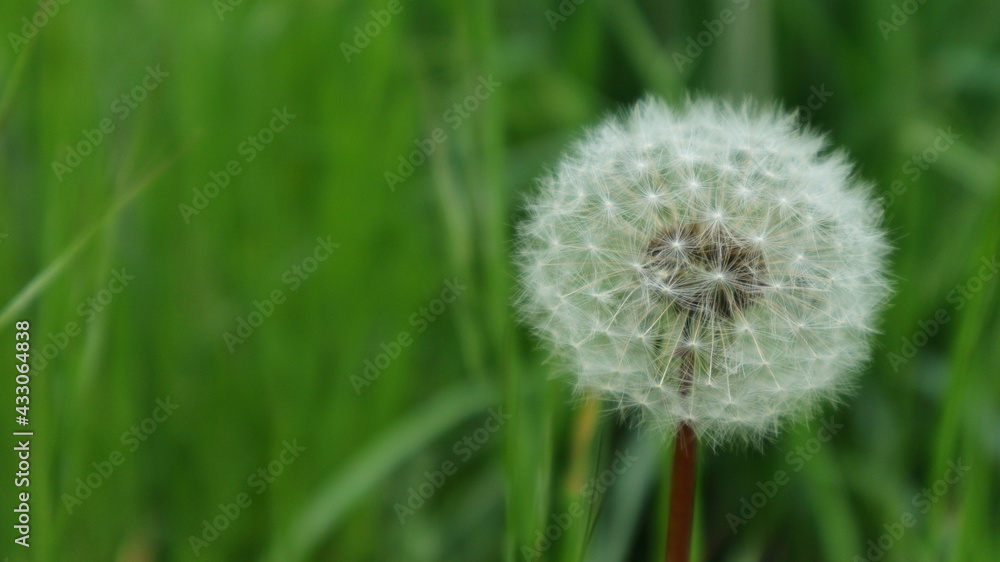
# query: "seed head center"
703, 269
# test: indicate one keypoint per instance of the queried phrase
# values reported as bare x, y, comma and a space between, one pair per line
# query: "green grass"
324, 175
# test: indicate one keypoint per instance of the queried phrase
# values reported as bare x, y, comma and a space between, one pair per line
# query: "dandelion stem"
682, 486
682, 476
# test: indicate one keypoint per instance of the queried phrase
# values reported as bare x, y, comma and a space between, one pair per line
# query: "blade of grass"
620, 523
960, 380
836, 525
333, 500
13, 81
44, 278
641, 46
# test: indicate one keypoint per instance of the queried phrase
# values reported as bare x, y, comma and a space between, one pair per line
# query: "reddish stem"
682, 488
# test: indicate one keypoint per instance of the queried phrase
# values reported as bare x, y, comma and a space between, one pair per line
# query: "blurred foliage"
361, 359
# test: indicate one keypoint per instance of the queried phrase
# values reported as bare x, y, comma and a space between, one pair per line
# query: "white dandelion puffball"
711, 265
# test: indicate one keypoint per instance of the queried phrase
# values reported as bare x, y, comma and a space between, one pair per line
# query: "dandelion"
713, 270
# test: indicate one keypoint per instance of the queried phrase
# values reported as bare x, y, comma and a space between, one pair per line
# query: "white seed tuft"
709, 265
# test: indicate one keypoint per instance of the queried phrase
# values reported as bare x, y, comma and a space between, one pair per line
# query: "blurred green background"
265, 260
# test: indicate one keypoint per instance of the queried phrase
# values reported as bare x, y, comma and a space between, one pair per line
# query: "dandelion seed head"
711, 264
